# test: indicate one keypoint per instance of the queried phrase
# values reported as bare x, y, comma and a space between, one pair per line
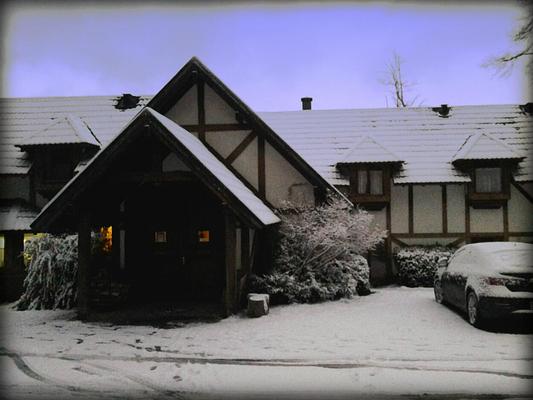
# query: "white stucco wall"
486, 220
185, 111
217, 111
520, 212
399, 209
246, 164
455, 198
380, 218
427, 208
283, 182
225, 142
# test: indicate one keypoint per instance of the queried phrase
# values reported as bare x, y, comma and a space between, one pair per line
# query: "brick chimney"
306, 103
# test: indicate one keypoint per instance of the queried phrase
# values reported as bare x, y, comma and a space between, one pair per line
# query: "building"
187, 180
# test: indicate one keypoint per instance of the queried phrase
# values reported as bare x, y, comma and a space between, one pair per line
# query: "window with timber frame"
370, 185
490, 184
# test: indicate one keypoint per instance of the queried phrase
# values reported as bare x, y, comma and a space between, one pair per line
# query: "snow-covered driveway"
397, 340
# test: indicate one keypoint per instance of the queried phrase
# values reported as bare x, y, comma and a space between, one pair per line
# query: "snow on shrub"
417, 265
51, 280
318, 255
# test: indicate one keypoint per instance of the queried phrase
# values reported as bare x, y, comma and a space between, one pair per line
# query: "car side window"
456, 260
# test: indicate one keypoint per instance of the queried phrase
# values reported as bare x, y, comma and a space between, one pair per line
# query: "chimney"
443, 110
127, 101
306, 103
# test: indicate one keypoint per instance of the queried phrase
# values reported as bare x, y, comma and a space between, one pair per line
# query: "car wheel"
437, 288
472, 309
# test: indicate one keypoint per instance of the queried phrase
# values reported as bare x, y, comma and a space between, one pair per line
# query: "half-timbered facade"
187, 181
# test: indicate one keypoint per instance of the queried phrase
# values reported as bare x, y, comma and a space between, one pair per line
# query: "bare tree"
397, 83
505, 62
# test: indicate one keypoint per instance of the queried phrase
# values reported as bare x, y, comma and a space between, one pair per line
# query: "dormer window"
489, 161
488, 180
368, 181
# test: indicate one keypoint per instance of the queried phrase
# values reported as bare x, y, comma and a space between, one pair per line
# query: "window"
370, 181
488, 180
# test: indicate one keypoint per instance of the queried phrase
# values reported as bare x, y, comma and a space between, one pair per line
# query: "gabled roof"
425, 141
16, 215
484, 146
369, 150
191, 150
195, 71
65, 130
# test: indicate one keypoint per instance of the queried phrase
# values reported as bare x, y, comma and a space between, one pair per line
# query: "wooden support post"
230, 239
261, 179
444, 209
411, 209
245, 249
505, 222
84, 263
388, 244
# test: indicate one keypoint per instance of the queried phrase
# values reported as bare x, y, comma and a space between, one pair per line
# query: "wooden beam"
245, 249
505, 222
261, 166
158, 177
201, 110
444, 209
411, 209
218, 127
467, 217
84, 263
388, 243
230, 240
427, 235
241, 147
522, 191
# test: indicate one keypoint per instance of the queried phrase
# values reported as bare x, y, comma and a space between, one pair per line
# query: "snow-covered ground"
395, 341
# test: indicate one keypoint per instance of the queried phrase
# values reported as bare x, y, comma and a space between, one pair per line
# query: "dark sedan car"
488, 280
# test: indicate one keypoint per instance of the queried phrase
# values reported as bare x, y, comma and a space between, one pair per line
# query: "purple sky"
268, 55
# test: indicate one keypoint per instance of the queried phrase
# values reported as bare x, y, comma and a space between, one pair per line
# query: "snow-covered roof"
16, 215
425, 141
23, 118
253, 203
64, 130
484, 146
369, 150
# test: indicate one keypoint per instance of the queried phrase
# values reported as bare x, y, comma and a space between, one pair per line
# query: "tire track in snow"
281, 363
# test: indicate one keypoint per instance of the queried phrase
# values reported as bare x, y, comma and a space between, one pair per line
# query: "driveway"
395, 342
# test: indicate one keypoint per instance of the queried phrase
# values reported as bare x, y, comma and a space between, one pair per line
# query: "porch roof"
16, 215
202, 162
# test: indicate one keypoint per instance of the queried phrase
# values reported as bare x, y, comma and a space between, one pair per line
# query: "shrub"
318, 255
417, 265
51, 281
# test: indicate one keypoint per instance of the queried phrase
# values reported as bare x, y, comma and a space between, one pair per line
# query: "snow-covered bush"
417, 265
319, 254
51, 281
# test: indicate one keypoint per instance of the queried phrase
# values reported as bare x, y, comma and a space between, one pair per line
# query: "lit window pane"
376, 182
488, 180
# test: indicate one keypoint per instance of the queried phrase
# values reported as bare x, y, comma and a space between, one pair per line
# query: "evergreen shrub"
417, 265
319, 254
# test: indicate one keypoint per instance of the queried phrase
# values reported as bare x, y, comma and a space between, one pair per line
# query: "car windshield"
515, 257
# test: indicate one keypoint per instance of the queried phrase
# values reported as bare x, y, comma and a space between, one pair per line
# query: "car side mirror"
443, 262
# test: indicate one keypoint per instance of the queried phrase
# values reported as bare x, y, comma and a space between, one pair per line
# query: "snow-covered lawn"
397, 340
